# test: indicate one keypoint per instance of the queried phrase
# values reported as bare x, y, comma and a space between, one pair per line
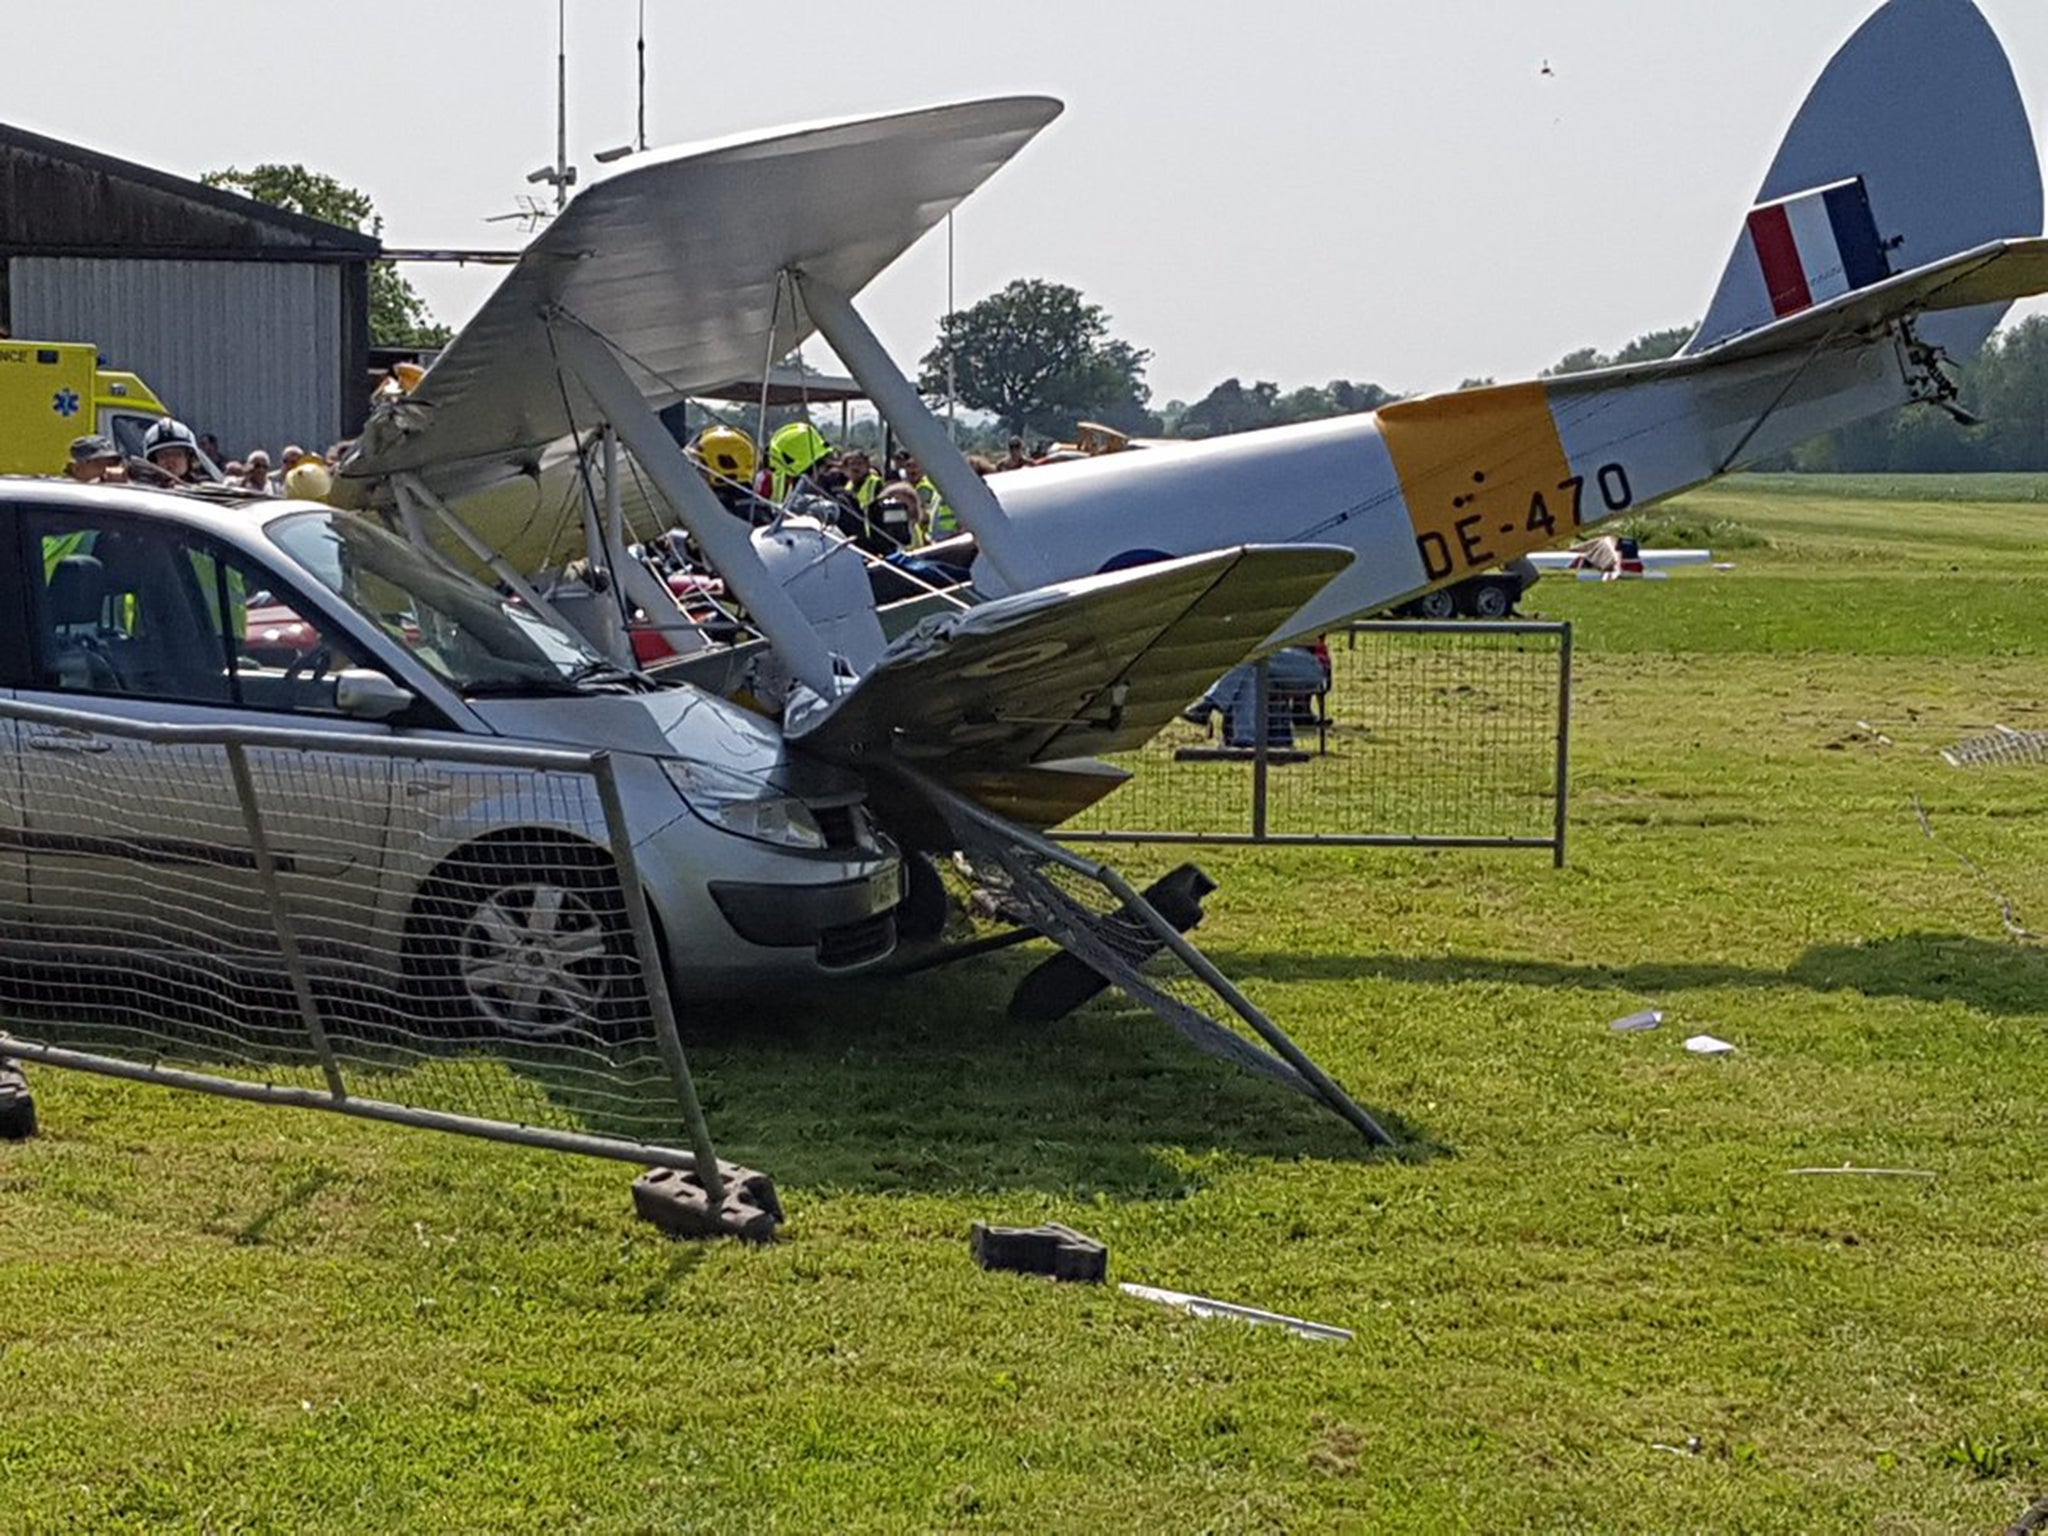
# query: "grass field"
1588, 1295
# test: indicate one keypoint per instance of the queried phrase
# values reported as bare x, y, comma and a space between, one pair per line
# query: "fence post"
1564, 744
654, 973
287, 939
1262, 721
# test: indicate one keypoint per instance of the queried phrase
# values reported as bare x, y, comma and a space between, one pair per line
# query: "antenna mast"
642, 49
561, 104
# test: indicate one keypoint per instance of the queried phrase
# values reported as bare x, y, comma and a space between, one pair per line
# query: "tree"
1650, 347
1232, 406
399, 317
1040, 358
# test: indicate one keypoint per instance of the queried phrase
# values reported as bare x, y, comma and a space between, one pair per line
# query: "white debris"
1204, 1306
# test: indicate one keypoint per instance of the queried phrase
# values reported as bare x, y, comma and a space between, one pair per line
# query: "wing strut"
722, 537
995, 536
413, 494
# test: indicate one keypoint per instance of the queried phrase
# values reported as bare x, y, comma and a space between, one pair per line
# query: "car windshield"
469, 636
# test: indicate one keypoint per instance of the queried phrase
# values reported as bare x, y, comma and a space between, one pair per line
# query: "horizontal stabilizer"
1074, 670
2000, 273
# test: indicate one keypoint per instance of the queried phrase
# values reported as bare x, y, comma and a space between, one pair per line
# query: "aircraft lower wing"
1074, 670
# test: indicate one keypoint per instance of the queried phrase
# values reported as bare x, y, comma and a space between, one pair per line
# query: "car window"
129, 608
472, 638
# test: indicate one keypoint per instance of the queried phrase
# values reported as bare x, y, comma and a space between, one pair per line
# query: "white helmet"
169, 433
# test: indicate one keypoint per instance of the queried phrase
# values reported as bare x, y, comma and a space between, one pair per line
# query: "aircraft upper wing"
1071, 670
675, 260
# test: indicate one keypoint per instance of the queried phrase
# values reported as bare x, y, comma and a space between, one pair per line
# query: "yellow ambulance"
54, 391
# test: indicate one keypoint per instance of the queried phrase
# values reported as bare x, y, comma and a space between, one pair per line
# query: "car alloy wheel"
536, 959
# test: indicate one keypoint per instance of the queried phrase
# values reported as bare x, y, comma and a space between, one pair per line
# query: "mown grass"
214, 1317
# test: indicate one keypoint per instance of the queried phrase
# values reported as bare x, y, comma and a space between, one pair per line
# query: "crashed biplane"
1896, 225
1893, 229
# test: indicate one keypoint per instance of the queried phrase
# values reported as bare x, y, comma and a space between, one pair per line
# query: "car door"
143, 619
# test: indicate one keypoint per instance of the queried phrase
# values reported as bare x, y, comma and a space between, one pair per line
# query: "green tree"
1232, 407
1650, 347
399, 317
1040, 358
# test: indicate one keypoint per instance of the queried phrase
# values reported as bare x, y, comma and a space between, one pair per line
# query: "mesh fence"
1113, 935
2003, 747
330, 919
1432, 734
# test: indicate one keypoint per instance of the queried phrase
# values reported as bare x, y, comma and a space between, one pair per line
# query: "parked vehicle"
54, 391
161, 607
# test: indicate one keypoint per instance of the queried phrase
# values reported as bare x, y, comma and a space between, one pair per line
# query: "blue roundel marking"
1130, 558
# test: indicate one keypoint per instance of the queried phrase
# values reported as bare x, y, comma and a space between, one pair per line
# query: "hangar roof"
63, 199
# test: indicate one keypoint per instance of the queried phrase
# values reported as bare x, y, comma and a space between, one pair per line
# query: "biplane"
1898, 221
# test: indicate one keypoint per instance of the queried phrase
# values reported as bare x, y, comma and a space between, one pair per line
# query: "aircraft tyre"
1489, 600
1438, 605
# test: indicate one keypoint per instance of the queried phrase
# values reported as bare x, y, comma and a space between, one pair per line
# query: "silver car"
164, 608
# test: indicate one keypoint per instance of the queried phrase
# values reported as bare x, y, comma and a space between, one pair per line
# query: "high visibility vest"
61, 546
941, 518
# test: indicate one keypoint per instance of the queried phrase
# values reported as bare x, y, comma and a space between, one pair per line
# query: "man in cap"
94, 459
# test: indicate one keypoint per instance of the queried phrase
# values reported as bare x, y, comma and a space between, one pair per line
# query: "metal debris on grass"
1635, 1023
1206, 1306
1709, 1045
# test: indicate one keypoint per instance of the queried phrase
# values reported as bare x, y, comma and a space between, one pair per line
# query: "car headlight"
743, 805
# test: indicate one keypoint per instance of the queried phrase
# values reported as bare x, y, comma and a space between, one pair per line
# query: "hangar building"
250, 322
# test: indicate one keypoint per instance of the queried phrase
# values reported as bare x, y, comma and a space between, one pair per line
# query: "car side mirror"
364, 693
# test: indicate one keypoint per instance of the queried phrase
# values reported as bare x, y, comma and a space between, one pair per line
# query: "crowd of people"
173, 456
886, 506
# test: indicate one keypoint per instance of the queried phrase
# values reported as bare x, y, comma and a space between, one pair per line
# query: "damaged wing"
676, 260
1068, 671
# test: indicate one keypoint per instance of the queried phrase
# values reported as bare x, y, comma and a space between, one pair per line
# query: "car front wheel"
529, 948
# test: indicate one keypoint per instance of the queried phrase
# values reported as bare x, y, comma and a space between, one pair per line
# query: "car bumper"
846, 924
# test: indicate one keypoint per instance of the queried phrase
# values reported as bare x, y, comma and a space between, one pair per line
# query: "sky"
1283, 190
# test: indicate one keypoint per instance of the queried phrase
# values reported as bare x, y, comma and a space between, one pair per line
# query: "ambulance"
54, 391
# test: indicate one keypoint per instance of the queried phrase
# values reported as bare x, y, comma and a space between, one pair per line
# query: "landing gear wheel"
531, 950
1490, 600
1436, 605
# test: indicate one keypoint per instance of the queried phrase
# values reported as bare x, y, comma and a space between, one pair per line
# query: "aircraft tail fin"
1913, 147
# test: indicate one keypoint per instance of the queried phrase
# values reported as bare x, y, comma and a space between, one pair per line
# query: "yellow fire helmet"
728, 453
308, 480
796, 447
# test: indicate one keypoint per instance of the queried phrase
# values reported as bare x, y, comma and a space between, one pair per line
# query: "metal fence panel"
312, 918
1425, 735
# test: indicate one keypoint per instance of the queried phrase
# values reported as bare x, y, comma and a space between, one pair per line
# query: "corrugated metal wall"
247, 350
